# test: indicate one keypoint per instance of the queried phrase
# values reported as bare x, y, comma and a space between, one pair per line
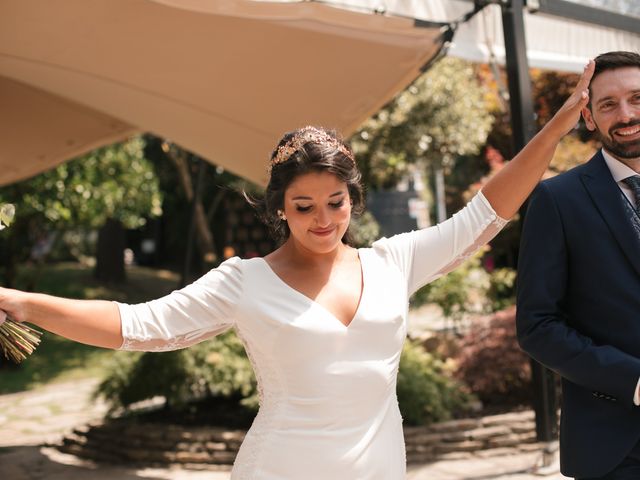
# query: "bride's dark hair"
306, 150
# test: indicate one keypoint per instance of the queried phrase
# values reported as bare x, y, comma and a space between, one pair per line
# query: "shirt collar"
619, 170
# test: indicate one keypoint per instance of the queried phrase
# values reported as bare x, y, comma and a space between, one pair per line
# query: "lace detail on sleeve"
486, 232
147, 343
199, 311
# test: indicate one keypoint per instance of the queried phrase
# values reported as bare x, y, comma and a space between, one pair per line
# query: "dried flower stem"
18, 340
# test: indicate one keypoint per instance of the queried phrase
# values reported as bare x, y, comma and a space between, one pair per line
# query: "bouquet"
17, 340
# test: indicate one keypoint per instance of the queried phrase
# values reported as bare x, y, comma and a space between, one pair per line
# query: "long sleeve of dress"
198, 311
425, 255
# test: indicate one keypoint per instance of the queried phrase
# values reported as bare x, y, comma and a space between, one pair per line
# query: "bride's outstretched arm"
94, 322
511, 186
192, 314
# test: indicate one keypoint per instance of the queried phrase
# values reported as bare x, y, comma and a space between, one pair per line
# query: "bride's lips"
323, 232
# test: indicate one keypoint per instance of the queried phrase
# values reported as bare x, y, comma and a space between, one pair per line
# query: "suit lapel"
607, 197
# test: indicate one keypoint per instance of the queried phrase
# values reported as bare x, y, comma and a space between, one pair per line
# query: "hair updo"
308, 150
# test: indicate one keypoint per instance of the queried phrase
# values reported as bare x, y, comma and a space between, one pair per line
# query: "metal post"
520, 95
440, 194
524, 128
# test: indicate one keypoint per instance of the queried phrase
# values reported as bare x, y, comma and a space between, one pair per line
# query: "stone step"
127, 441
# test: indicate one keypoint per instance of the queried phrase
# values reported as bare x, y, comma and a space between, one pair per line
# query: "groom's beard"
627, 150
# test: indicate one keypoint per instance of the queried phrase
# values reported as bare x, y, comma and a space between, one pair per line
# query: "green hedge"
220, 368
426, 390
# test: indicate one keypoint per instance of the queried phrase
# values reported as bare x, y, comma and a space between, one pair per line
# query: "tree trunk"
110, 252
203, 231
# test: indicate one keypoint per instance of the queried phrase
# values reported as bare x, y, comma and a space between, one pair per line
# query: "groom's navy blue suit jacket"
578, 311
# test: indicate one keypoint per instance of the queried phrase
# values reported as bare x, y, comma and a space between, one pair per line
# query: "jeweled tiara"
308, 135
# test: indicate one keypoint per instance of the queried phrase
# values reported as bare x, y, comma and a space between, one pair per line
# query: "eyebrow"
611, 97
302, 197
604, 99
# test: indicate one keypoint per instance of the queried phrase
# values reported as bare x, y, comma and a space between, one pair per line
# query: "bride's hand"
10, 305
567, 117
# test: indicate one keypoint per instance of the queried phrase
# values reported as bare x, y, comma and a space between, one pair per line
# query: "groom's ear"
588, 118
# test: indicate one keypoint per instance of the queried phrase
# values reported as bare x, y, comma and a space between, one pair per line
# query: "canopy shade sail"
223, 78
555, 42
226, 78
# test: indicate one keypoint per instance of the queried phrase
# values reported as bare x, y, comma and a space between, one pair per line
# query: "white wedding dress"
328, 407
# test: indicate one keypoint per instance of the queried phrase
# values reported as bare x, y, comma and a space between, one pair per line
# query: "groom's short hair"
613, 60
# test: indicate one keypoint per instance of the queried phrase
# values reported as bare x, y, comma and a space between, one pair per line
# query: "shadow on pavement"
35, 463
496, 476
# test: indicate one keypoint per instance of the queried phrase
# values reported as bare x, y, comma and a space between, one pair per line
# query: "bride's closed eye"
307, 208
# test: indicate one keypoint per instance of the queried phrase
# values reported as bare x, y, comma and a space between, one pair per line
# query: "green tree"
438, 119
181, 175
107, 189
460, 292
550, 90
364, 230
219, 368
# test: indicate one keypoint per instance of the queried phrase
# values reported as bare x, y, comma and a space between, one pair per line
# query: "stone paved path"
45, 414
32, 420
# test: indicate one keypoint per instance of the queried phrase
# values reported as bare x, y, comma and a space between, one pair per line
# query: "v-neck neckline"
315, 303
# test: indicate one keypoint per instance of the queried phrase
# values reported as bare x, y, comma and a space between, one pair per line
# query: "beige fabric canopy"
553, 42
222, 78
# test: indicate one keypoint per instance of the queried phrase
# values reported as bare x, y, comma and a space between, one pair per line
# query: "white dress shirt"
620, 171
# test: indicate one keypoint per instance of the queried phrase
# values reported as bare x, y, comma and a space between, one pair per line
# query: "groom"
578, 308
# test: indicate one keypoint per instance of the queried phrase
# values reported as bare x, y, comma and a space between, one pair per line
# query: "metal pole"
524, 128
520, 95
440, 194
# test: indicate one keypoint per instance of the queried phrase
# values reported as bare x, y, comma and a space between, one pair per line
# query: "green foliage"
461, 291
492, 364
434, 121
218, 367
502, 289
58, 359
426, 390
111, 182
114, 182
571, 152
469, 289
550, 91
178, 171
364, 230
